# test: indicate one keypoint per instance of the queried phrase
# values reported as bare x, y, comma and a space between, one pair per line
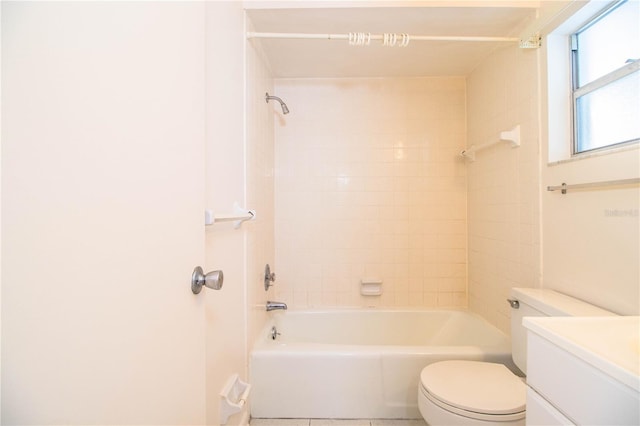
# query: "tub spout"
272, 306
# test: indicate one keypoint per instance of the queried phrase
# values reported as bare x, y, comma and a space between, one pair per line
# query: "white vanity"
583, 370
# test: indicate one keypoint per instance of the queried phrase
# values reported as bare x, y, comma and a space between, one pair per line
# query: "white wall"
260, 188
369, 184
226, 247
591, 238
239, 169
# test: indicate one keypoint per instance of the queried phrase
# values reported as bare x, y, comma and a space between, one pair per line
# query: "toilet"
461, 392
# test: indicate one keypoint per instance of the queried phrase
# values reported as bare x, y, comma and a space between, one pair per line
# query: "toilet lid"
479, 387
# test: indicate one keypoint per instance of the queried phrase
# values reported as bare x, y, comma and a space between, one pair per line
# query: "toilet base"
435, 415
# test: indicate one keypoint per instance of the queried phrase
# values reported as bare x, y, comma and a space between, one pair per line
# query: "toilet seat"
478, 390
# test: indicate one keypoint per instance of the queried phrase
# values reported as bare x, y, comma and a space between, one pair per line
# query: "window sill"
629, 146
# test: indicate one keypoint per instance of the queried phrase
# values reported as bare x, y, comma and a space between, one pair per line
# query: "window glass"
610, 114
606, 77
608, 43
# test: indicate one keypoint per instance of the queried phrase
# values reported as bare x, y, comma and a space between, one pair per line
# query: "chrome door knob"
212, 280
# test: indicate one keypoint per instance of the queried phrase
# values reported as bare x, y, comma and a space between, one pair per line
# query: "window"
606, 78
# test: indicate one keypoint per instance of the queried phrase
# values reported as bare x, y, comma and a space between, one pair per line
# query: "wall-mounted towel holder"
512, 136
591, 185
238, 216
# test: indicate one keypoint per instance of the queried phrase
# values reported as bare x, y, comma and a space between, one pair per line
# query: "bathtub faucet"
272, 306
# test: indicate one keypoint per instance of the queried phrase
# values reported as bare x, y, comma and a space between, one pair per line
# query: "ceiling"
294, 58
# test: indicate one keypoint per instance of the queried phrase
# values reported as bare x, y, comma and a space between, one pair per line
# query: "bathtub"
361, 363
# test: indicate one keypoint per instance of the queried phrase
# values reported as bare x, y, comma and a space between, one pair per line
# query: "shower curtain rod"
364, 38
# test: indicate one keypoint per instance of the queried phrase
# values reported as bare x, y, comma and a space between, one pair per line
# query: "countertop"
610, 344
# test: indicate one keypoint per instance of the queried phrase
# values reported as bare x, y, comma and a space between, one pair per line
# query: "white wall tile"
369, 184
504, 184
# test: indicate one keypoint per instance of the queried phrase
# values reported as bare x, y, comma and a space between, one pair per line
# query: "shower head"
267, 98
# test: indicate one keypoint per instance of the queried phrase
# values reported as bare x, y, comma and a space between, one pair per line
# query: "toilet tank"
542, 302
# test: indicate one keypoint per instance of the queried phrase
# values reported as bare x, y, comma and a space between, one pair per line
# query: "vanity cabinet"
583, 371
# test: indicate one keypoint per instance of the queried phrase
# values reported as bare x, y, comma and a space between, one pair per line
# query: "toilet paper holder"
233, 397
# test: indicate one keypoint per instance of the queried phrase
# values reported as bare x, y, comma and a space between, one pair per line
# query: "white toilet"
460, 392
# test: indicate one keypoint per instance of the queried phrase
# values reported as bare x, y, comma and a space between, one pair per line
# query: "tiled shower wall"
369, 184
504, 182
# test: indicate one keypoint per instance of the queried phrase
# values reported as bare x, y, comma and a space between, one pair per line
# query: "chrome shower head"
267, 98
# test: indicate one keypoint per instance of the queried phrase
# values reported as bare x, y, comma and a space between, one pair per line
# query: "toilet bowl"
476, 393
471, 393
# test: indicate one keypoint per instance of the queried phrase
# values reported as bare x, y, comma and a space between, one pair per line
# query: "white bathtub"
361, 363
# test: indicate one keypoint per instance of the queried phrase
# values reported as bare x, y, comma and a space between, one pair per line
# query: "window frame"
600, 82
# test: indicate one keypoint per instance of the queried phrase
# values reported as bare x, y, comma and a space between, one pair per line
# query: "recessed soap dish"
370, 287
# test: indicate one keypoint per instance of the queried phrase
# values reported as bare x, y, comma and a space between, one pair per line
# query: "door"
102, 212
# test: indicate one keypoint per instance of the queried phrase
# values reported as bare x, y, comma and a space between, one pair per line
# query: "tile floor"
335, 422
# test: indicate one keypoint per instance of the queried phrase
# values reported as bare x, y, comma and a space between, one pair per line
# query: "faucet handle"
274, 333
269, 277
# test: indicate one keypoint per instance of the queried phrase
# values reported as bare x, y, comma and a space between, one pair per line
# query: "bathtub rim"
264, 344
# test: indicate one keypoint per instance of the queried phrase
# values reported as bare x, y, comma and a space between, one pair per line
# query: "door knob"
212, 280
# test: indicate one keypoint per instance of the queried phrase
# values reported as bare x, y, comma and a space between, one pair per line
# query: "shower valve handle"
269, 277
